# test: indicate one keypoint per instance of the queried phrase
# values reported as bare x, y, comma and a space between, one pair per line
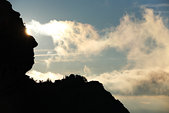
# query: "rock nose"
32, 42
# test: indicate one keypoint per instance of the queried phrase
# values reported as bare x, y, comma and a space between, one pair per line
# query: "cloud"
145, 40
161, 8
39, 76
135, 82
70, 37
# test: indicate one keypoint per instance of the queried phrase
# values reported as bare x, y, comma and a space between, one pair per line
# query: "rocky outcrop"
74, 94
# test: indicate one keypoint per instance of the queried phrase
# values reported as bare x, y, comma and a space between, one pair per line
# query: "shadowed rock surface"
20, 94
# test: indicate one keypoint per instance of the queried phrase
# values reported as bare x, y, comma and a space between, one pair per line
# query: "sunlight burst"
28, 31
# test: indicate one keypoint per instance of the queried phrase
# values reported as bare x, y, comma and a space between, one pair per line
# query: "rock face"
20, 94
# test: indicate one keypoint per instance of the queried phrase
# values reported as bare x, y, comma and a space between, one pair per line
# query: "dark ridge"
20, 94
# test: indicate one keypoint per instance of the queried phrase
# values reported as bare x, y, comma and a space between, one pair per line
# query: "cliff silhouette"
20, 94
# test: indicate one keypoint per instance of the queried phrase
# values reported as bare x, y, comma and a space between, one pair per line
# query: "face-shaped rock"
16, 46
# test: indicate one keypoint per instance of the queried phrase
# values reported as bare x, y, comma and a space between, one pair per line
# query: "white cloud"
145, 40
135, 82
39, 76
70, 37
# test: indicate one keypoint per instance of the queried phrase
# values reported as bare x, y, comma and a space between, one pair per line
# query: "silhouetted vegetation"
20, 94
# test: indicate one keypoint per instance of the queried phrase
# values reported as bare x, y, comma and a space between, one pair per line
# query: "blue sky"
99, 13
121, 43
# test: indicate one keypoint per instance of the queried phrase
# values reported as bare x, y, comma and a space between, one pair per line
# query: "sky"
124, 44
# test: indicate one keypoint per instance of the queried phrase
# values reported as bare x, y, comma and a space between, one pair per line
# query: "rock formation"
20, 94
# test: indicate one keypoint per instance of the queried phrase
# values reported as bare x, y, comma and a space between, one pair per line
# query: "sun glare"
56, 29
28, 31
